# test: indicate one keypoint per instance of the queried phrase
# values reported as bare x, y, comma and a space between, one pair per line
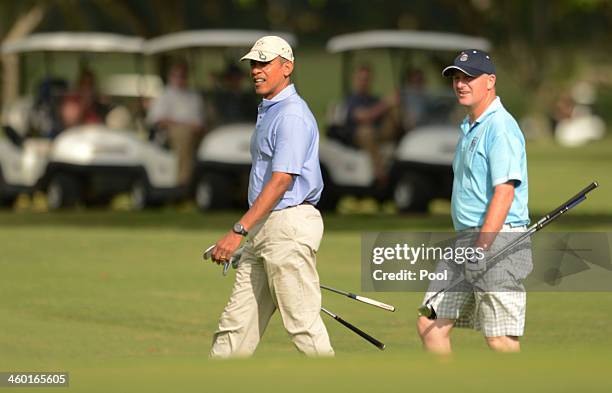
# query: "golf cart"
223, 157
86, 163
22, 163
420, 166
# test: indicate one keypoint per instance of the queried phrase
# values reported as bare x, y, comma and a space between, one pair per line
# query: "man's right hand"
226, 247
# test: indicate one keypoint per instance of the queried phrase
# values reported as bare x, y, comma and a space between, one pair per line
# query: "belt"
505, 226
300, 204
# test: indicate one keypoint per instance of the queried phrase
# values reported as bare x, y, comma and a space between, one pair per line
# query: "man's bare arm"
369, 115
496, 214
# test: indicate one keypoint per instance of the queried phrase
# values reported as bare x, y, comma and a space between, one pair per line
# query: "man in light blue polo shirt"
277, 269
489, 196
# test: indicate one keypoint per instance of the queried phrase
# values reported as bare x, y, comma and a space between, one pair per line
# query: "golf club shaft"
544, 221
355, 329
362, 299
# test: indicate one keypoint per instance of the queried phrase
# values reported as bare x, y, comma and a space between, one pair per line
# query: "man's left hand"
225, 247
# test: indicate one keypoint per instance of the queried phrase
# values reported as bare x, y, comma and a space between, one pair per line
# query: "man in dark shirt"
233, 104
369, 120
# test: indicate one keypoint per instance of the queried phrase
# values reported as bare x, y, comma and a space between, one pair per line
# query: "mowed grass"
124, 302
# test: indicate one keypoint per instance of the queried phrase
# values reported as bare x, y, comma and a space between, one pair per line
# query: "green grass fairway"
124, 302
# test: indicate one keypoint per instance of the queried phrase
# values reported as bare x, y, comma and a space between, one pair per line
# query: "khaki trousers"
369, 138
184, 142
277, 271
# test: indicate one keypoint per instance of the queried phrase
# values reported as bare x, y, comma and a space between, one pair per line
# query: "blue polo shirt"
491, 151
286, 139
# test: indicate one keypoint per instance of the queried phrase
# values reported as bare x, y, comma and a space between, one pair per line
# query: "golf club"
355, 329
426, 310
236, 257
362, 299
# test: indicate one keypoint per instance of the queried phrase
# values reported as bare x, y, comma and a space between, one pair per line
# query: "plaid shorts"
495, 313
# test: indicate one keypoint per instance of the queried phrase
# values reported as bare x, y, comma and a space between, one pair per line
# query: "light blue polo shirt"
491, 151
286, 139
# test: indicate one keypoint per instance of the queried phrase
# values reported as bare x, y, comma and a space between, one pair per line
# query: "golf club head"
427, 311
208, 252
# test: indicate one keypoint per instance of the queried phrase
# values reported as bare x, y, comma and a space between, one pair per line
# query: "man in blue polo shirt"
277, 269
489, 196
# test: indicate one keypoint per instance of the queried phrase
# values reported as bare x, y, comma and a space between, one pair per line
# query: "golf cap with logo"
472, 62
269, 48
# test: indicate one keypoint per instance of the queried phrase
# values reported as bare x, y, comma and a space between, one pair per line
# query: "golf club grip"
359, 298
360, 332
374, 303
569, 203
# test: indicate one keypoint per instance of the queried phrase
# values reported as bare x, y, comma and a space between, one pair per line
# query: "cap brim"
466, 70
259, 55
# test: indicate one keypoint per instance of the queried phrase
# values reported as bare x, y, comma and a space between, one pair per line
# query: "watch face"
238, 228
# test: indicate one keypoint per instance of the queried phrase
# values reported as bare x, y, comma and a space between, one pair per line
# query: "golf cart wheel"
62, 191
212, 191
411, 193
140, 195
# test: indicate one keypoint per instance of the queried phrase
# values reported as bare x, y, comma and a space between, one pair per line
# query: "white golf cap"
269, 48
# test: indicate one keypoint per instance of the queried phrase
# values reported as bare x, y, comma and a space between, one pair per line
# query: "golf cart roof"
210, 38
74, 42
406, 39
132, 85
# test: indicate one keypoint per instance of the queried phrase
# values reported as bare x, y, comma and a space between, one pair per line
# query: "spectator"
563, 109
83, 105
180, 113
93, 107
232, 103
369, 120
414, 99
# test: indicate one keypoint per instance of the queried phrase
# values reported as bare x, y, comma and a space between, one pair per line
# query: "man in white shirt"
180, 112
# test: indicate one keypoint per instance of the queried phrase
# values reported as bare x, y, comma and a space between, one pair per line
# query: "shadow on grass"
221, 221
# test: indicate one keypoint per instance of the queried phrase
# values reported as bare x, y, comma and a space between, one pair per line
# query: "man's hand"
225, 247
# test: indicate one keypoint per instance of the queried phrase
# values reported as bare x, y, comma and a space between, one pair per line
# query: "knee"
429, 331
365, 135
435, 335
424, 325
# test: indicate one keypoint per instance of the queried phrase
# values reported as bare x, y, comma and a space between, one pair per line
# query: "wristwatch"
239, 229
